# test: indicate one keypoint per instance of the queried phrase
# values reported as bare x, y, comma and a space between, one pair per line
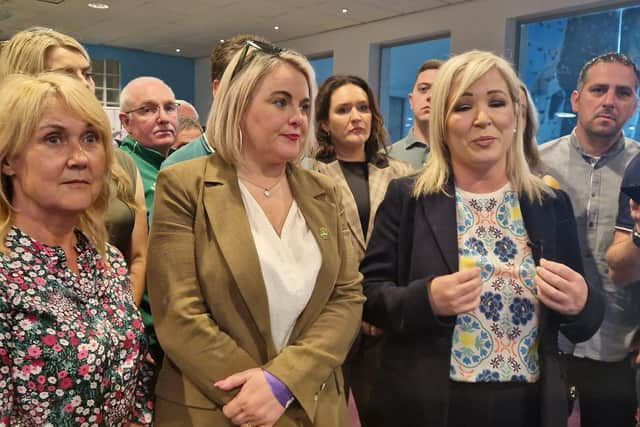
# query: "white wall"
480, 24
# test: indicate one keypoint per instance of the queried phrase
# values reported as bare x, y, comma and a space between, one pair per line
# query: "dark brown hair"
607, 58
224, 51
375, 148
429, 64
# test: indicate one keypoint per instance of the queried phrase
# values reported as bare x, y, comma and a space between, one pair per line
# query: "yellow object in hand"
466, 262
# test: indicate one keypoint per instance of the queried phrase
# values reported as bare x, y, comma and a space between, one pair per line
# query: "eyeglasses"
259, 46
148, 110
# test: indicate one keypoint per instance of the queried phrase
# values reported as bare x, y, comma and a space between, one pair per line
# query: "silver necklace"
265, 190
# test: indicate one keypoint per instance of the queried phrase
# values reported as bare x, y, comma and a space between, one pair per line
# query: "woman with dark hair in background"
353, 150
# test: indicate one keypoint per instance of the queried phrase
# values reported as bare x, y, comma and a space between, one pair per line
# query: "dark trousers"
360, 370
494, 405
606, 391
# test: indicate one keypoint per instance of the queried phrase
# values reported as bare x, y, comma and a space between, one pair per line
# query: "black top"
357, 176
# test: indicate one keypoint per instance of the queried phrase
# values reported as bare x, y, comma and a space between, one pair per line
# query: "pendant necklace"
265, 190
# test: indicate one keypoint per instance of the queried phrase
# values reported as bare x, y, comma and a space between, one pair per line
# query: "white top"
289, 263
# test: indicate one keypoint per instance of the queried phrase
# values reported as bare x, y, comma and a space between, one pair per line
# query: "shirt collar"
149, 154
410, 141
207, 147
616, 148
50, 255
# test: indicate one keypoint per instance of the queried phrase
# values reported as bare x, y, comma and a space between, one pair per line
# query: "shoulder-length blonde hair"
454, 78
235, 92
26, 53
24, 101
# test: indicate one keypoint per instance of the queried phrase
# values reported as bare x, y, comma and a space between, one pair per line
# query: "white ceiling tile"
197, 25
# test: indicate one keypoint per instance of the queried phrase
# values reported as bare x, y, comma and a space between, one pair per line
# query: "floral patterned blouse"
498, 341
72, 345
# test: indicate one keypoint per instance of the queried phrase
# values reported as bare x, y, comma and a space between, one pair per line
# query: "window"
552, 52
106, 75
323, 68
398, 67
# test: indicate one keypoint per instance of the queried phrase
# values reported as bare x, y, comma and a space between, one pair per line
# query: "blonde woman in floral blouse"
71, 340
473, 268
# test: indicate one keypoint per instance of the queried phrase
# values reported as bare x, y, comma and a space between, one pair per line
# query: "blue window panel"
323, 68
398, 67
552, 52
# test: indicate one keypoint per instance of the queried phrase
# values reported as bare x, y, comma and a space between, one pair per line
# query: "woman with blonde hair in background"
36, 50
72, 344
473, 268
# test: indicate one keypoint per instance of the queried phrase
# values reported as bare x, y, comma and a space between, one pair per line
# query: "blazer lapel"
534, 217
538, 231
379, 179
229, 225
440, 211
348, 201
320, 215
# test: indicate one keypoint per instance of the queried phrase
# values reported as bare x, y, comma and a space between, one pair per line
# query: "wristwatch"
635, 237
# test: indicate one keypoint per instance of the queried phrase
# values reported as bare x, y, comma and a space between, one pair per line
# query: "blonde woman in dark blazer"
473, 269
253, 280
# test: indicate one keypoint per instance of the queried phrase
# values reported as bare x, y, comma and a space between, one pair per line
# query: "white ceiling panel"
195, 26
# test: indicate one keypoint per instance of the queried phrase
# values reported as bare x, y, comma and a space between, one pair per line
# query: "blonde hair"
236, 92
26, 53
454, 78
24, 101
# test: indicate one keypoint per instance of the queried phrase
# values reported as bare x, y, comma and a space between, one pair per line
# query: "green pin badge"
324, 233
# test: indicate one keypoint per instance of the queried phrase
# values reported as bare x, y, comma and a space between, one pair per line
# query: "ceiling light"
101, 6
221, 40
563, 115
178, 50
345, 10
276, 27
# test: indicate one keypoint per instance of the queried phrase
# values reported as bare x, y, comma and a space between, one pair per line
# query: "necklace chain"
266, 191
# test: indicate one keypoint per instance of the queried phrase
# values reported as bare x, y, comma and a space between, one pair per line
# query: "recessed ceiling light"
221, 40
98, 6
276, 27
345, 10
178, 50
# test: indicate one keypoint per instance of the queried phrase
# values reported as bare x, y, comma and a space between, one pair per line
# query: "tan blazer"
210, 305
379, 179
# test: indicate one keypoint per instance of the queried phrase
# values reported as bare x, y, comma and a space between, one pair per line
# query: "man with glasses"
589, 164
149, 113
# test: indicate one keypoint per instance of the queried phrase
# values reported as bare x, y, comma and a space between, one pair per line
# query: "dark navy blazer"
415, 240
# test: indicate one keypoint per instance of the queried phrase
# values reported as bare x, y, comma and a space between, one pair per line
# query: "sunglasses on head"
258, 46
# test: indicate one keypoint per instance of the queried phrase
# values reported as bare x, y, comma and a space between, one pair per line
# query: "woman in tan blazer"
253, 281
352, 150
